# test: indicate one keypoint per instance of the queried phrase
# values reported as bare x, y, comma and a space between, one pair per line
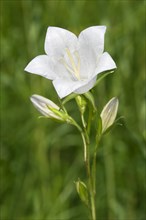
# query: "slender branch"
94, 172
91, 177
89, 119
85, 146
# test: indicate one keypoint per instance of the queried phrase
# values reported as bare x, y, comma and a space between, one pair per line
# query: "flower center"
71, 64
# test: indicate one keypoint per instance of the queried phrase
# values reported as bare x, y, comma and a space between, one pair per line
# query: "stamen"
78, 59
67, 67
76, 69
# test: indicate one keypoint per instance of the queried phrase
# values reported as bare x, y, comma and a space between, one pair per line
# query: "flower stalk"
90, 176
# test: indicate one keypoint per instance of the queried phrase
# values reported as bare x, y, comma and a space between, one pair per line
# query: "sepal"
90, 98
68, 98
103, 75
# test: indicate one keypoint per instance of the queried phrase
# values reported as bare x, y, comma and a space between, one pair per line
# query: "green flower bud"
81, 102
82, 191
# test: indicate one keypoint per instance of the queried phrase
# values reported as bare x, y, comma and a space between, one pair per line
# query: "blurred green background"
40, 159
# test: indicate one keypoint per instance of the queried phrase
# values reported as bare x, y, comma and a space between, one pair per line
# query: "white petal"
47, 67
40, 65
86, 87
92, 38
65, 87
105, 63
57, 39
88, 63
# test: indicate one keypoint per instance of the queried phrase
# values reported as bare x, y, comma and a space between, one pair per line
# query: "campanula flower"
72, 62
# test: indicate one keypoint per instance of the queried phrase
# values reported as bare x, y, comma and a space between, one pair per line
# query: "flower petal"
65, 87
105, 63
40, 65
88, 63
92, 37
47, 67
91, 46
57, 39
86, 87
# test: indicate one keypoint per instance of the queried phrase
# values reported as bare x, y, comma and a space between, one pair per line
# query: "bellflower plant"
76, 65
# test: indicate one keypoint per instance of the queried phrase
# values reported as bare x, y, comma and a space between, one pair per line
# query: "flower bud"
82, 191
81, 102
109, 113
46, 107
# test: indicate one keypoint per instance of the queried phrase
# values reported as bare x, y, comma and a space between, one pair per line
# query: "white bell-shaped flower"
72, 62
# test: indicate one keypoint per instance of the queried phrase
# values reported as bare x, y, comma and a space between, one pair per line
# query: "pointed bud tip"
33, 98
114, 101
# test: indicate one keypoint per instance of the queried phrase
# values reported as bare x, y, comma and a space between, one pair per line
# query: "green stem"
91, 176
85, 146
93, 187
94, 173
89, 119
93, 209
